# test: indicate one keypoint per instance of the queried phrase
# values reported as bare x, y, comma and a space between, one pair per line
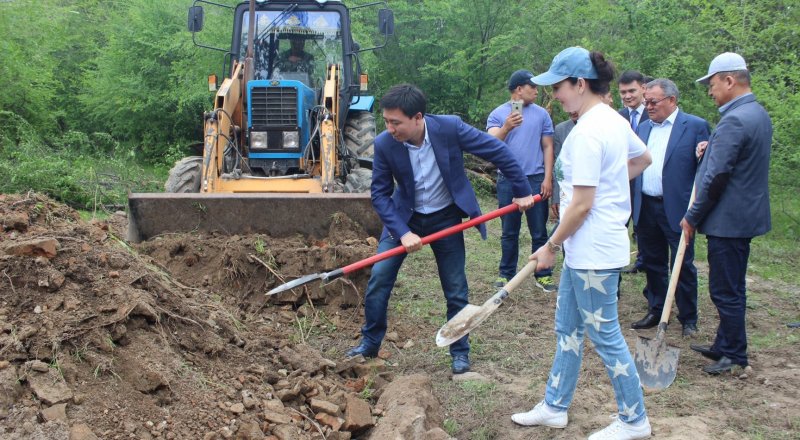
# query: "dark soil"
175, 337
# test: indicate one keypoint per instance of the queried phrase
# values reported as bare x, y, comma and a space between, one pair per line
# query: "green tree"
148, 83
31, 35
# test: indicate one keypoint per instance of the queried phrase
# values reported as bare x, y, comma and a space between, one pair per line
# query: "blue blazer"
733, 178
450, 137
680, 164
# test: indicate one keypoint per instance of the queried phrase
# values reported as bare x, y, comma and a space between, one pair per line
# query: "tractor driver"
296, 59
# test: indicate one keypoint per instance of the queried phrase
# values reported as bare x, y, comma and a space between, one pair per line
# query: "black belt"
659, 198
446, 210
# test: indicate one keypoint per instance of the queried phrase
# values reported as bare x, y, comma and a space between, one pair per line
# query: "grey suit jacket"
733, 176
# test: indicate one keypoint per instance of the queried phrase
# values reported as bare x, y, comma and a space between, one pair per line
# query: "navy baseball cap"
572, 62
520, 78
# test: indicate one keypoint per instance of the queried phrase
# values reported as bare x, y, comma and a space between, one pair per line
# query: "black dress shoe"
649, 321
362, 349
689, 330
706, 351
721, 366
633, 269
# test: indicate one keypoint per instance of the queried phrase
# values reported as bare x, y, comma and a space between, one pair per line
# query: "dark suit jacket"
450, 137
733, 178
680, 164
626, 113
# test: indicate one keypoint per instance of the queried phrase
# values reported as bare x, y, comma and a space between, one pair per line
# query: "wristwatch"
554, 248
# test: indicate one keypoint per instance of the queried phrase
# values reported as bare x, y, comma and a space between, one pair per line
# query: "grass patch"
93, 215
473, 405
451, 426
776, 256
773, 339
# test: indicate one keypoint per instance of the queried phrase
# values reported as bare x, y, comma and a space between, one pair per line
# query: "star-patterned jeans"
587, 303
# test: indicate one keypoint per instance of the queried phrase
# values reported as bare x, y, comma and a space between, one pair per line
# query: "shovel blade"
468, 319
656, 362
458, 326
296, 283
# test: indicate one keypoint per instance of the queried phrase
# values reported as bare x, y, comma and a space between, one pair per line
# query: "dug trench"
174, 338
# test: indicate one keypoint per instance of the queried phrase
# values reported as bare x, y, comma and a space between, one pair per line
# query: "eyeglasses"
653, 103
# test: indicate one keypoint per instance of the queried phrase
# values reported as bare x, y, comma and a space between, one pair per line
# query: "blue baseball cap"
520, 78
572, 62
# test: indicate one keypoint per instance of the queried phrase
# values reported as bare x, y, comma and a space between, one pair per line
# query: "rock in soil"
410, 409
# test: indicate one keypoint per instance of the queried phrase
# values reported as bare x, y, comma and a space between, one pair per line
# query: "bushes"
83, 171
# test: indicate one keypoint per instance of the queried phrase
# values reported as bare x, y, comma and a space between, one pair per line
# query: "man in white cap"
732, 184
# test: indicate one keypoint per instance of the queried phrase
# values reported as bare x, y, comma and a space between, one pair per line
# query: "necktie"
634, 119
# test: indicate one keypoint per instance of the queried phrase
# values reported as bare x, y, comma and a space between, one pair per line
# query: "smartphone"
516, 106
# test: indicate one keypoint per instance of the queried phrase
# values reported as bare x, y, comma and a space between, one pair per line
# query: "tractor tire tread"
185, 176
359, 134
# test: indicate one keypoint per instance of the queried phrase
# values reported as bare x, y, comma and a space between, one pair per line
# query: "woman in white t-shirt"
598, 158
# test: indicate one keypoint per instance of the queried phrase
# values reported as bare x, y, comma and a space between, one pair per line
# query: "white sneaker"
541, 415
619, 430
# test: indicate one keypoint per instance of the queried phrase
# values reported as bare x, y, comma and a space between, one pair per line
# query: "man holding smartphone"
528, 131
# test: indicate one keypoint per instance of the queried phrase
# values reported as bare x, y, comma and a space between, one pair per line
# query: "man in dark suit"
732, 202
631, 91
662, 197
423, 154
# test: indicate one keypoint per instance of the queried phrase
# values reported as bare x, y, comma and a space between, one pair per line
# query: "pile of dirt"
173, 338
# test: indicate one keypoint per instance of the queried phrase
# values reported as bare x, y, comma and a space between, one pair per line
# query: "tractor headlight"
291, 139
258, 140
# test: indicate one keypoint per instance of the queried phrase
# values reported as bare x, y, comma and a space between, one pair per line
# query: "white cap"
724, 62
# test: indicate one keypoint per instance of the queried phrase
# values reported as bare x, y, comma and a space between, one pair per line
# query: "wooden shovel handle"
526, 271
676, 273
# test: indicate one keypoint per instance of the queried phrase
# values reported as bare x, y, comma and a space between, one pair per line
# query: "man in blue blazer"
732, 202
661, 197
631, 92
419, 186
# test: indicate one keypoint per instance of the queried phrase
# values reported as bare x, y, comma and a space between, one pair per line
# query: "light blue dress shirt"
430, 192
652, 184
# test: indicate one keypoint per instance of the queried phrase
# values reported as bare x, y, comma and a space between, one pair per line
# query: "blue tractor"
291, 133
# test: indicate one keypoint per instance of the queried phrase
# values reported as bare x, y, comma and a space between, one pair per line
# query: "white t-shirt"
596, 153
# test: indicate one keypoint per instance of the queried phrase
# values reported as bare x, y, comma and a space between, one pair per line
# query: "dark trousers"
537, 225
727, 267
450, 259
658, 243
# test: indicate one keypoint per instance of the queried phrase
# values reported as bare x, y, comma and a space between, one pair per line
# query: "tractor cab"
295, 46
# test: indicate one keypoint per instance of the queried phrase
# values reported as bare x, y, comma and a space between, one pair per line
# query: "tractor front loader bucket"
278, 215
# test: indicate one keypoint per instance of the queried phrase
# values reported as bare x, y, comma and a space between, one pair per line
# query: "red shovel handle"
436, 236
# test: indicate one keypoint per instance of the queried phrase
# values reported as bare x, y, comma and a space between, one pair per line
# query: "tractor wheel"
185, 176
359, 134
358, 181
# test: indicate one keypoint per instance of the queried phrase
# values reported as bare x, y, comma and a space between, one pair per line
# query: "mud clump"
174, 338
